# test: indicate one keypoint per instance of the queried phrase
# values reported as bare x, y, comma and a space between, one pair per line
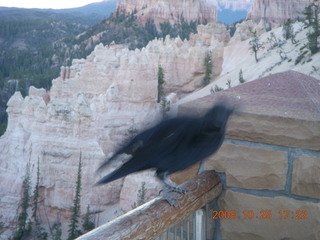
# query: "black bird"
173, 145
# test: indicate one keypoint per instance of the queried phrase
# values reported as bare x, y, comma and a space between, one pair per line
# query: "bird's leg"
169, 187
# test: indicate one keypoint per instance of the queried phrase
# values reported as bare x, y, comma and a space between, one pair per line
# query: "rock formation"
244, 30
234, 5
173, 11
277, 11
89, 109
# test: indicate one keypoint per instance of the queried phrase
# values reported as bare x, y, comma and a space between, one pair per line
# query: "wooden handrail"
152, 218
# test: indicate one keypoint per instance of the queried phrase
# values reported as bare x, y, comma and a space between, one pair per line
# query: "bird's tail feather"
106, 163
124, 170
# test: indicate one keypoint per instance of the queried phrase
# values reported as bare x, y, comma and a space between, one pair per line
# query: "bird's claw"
172, 201
168, 198
177, 189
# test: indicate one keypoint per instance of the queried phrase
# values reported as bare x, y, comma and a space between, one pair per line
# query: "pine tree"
208, 71
56, 231
74, 231
308, 15
228, 83
141, 196
36, 195
161, 82
165, 107
241, 79
312, 22
1, 225
88, 224
288, 31
38, 232
255, 44
23, 228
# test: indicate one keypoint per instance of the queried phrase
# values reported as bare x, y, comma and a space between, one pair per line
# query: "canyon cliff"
91, 108
173, 11
234, 5
277, 11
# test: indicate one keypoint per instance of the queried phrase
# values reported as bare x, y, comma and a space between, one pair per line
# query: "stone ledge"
250, 167
275, 130
280, 109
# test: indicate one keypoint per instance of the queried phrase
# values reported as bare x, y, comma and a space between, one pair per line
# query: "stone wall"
270, 161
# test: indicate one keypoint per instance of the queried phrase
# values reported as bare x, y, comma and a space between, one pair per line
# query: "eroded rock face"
182, 61
277, 11
245, 29
234, 5
90, 109
173, 11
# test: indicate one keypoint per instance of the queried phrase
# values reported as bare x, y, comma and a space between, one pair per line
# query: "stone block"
252, 223
306, 177
250, 167
275, 130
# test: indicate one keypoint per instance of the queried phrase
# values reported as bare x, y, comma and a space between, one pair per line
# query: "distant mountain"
88, 15
104, 9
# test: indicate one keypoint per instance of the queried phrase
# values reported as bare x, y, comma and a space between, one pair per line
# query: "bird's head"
219, 114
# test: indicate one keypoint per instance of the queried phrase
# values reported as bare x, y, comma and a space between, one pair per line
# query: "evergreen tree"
308, 16
312, 22
56, 231
161, 82
208, 71
141, 196
228, 83
255, 44
217, 88
165, 107
88, 224
2, 229
38, 231
36, 195
24, 229
74, 230
241, 79
288, 31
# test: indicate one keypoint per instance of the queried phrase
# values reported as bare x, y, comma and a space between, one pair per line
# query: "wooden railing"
152, 218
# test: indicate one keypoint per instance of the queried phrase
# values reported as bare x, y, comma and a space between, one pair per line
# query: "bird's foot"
177, 189
166, 194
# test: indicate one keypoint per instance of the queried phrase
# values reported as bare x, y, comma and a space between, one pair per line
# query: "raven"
173, 145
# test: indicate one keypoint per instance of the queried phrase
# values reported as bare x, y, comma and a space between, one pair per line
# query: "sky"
56, 4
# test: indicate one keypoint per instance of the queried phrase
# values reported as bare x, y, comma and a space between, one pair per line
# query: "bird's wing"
168, 140
132, 146
154, 144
